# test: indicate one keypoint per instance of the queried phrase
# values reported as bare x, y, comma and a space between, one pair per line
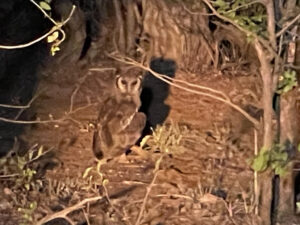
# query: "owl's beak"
128, 97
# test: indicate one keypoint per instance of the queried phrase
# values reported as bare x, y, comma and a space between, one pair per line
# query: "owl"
119, 123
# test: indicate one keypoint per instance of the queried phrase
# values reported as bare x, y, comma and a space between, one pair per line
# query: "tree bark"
120, 26
265, 179
131, 27
289, 137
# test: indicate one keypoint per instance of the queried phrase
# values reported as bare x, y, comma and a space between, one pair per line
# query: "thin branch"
30, 121
44, 12
15, 106
287, 26
63, 213
28, 104
291, 66
69, 220
102, 69
168, 81
86, 216
197, 86
172, 196
29, 43
57, 27
269, 5
149, 188
9, 175
62, 119
256, 190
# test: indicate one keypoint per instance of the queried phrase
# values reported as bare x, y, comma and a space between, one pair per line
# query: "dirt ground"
208, 182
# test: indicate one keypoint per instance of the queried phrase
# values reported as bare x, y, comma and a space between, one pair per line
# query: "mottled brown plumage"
119, 123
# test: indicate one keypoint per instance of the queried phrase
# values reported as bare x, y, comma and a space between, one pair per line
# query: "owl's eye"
134, 83
123, 82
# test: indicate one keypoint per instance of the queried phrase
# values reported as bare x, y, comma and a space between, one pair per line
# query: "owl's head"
129, 85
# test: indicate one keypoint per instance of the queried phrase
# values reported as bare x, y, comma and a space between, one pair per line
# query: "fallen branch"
64, 213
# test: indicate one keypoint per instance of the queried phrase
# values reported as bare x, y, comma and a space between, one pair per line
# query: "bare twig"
149, 188
256, 191
168, 81
29, 122
29, 104
9, 176
66, 117
81, 81
44, 12
291, 66
287, 26
31, 42
15, 106
69, 220
102, 69
172, 196
86, 216
197, 86
63, 213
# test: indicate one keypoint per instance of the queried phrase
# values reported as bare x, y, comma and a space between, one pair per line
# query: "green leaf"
45, 6
260, 163
280, 171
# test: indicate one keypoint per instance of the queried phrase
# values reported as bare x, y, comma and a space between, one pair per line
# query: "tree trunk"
131, 27
265, 179
120, 27
289, 137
